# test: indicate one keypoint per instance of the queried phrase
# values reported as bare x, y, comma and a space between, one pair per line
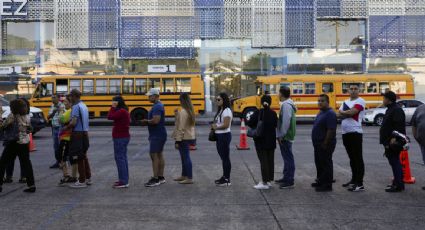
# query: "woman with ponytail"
265, 141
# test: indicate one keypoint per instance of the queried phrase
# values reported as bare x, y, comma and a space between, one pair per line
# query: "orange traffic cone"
32, 144
407, 176
243, 145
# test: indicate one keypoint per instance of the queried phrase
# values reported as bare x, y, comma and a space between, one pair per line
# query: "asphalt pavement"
205, 206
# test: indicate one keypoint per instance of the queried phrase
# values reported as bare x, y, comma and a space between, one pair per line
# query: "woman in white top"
222, 123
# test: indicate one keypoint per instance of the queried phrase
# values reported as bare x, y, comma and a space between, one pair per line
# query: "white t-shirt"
219, 121
353, 124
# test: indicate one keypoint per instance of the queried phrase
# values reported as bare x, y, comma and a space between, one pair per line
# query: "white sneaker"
269, 184
89, 182
261, 186
78, 185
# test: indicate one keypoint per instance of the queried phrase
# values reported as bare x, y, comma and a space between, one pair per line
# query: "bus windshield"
43, 90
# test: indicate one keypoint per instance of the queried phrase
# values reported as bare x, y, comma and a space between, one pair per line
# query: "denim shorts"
156, 145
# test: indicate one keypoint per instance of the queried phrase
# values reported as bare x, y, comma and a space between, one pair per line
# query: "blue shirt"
78, 110
158, 130
325, 120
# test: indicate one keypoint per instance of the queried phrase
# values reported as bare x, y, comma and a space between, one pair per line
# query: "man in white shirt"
351, 112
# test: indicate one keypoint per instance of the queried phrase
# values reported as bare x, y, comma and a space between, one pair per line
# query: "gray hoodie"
286, 121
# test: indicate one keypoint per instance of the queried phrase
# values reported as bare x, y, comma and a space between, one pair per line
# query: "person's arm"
285, 121
8, 121
399, 121
351, 112
115, 114
331, 124
52, 112
227, 117
181, 124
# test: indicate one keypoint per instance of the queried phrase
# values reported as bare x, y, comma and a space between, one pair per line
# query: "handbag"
11, 133
212, 136
259, 129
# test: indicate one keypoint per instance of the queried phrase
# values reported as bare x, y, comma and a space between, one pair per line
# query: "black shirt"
394, 120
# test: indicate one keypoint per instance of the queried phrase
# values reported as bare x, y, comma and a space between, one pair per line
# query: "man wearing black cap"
394, 120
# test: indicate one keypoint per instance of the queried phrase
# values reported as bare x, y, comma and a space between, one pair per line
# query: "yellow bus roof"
334, 78
52, 77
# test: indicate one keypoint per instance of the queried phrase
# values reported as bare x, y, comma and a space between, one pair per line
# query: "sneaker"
7, 180
286, 185
356, 188
54, 166
64, 181
187, 181
324, 189
224, 182
152, 182
269, 184
89, 182
78, 185
348, 184
261, 186
120, 185
161, 179
218, 180
315, 184
30, 189
181, 178
394, 189
73, 179
280, 181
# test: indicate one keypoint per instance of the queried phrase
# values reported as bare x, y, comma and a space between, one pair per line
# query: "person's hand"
214, 126
144, 122
393, 141
176, 145
279, 140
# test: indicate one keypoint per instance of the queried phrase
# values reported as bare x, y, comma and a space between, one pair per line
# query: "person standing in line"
265, 143
17, 127
351, 112
323, 137
53, 116
65, 137
79, 144
418, 129
184, 135
221, 127
11, 166
157, 138
394, 120
286, 129
121, 137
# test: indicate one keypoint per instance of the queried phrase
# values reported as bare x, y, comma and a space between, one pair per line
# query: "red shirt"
121, 119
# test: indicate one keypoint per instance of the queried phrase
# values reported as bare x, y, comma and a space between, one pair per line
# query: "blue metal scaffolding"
103, 23
300, 23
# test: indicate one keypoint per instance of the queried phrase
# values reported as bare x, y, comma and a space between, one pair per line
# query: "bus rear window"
183, 85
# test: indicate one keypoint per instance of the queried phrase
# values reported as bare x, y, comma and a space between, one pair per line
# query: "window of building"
168, 85
371, 87
183, 85
398, 87
75, 84
115, 86
297, 88
88, 86
141, 86
128, 86
101, 86
310, 88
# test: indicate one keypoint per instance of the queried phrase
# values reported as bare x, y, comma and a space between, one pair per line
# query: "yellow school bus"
305, 90
98, 91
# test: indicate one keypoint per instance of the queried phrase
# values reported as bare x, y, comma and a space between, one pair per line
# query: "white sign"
6, 7
161, 68
10, 69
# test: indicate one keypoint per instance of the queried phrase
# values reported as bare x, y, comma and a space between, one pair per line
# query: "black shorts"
79, 144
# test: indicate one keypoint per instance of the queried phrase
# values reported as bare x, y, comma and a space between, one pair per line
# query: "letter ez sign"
18, 5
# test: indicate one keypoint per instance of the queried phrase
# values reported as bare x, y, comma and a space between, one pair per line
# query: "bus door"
329, 89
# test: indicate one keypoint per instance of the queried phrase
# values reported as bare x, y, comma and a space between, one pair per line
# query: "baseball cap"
153, 91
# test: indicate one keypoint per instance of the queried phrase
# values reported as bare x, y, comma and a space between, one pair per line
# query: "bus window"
101, 86
44, 90
270, 89
384, 87
398, 87
128, 86
327, 88
310, 88
141, 86
168, 85
115, 86
371, 87
61, 86
88, 86
183, 85
75, 84
285, 84
346, 87
297, 88
154, 83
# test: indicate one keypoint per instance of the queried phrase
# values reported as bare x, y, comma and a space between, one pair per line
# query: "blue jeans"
288, 161
223, 149
120, 153
185, 158
55, 136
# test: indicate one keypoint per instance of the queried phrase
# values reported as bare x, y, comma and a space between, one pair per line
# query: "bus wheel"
248, 113
379, 119
138, 114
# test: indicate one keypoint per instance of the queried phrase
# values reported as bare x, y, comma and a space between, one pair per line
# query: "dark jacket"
394, 120
268, 140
